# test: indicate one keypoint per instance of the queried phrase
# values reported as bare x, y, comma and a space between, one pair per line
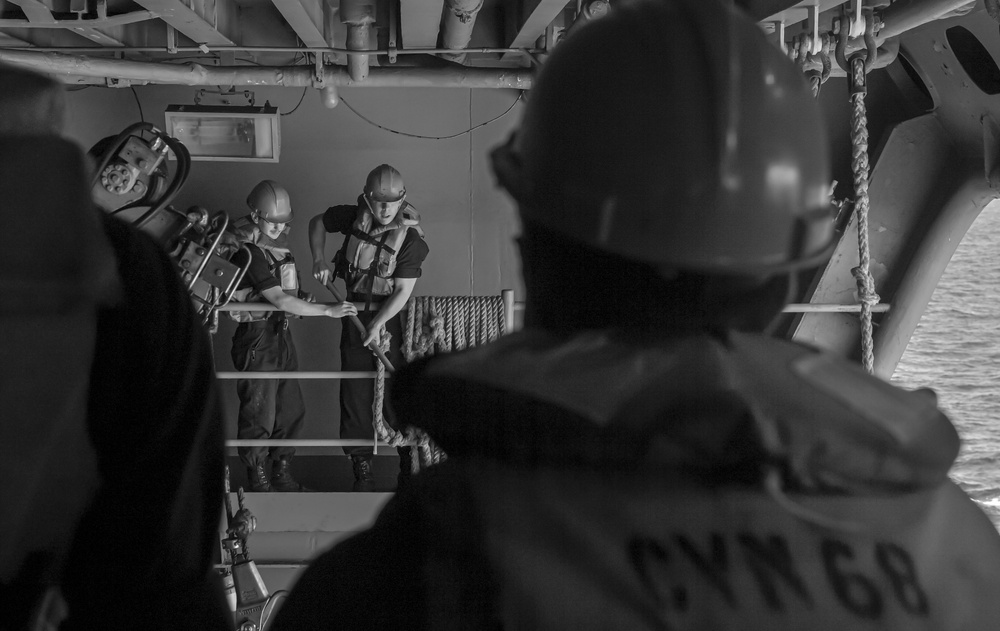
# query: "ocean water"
956, 352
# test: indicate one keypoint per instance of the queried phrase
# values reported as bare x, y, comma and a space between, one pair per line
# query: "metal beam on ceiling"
10, 40
107, 22
40, 16
538, 14
799, 12
306, 19
95, 36
187, 21
760, 9
35, 11
73, 68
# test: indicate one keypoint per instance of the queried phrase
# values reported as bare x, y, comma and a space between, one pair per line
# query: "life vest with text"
700, 483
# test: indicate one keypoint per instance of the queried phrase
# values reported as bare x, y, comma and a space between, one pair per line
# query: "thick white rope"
859, 165
437, 324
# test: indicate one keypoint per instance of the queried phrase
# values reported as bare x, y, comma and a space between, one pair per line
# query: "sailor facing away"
643, 455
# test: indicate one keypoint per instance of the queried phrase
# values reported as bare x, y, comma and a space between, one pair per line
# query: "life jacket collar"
825, 423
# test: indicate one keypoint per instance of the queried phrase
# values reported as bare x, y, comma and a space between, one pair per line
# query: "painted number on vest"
771, 563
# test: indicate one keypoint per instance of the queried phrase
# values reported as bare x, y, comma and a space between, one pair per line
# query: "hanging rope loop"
815, 66
383, 431
868, 54
859, 66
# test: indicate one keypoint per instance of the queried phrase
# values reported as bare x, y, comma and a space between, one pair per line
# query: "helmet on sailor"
708, 156
384, 184
270, 201
384, 193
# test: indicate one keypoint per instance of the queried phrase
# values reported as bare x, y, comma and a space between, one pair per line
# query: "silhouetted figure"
111, 437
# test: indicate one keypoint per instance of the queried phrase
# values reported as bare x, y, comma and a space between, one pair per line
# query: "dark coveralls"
357, 395
269, 408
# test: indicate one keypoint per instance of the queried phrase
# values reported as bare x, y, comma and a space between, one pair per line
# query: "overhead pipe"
73, 68
328, 50
358, 15
457, 25
905, 15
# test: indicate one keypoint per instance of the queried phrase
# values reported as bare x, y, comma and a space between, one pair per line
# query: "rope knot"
866, 287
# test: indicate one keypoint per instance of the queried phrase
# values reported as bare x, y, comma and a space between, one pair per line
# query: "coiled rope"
435, 324
452, 323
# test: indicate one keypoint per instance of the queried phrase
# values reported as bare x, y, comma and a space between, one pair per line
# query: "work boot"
258, 479
281, 477
405, 467
363, 479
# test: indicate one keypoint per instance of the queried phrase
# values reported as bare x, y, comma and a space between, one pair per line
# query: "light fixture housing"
226, 132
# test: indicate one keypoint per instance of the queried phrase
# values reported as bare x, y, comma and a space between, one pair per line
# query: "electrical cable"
302, 96
141, 117
292, 111
461, 133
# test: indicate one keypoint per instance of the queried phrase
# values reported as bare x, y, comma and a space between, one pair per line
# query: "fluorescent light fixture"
226, 133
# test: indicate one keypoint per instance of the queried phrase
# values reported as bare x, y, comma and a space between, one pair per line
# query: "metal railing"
509, 307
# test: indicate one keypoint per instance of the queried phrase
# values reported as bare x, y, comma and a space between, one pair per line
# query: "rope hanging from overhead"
857, 70
815, 66
436, 324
